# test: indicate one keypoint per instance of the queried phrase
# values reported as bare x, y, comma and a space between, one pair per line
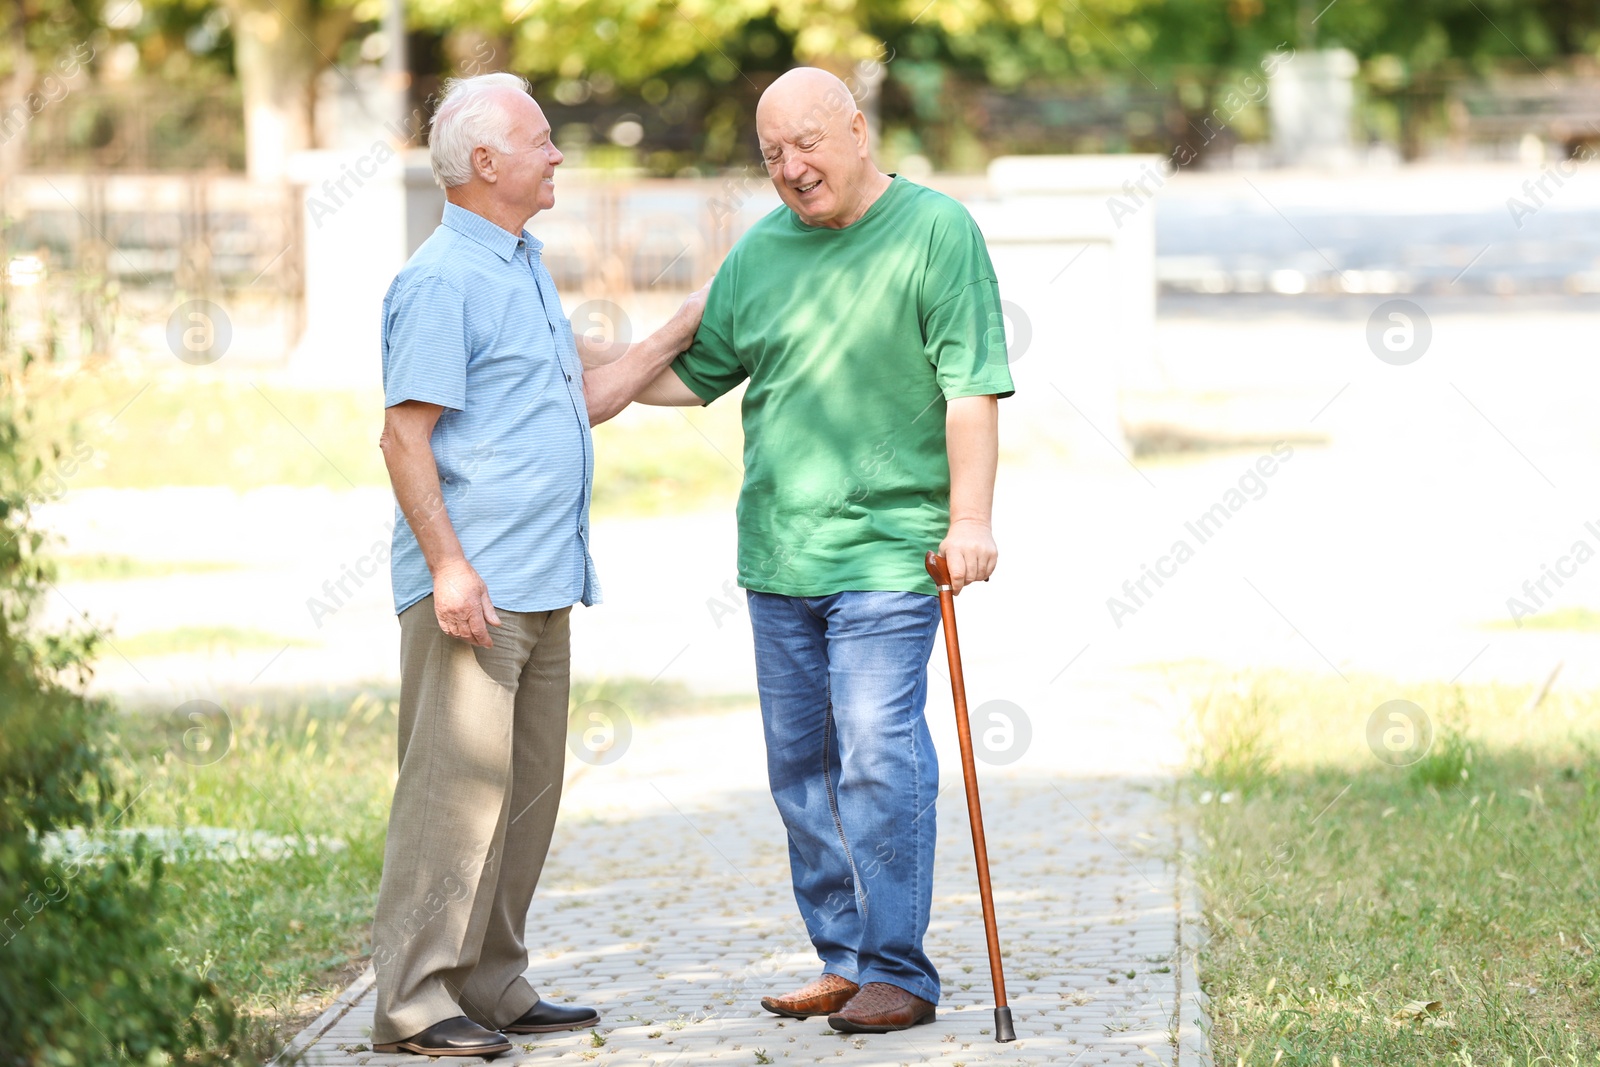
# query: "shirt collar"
472, 225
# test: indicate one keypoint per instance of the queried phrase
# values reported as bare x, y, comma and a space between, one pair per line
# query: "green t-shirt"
853, 340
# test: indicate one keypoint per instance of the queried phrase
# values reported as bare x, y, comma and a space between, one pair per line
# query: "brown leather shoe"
880, 1008
827, 994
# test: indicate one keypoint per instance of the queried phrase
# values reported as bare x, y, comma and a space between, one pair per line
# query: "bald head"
806, 94
814, 140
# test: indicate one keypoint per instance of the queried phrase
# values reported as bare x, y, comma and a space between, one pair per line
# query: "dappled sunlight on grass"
1394, 890
181, 428
177, 428
89, 568
1575, 619
652, 461
203, 639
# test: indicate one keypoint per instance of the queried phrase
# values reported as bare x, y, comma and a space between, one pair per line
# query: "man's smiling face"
529, 168
813, 140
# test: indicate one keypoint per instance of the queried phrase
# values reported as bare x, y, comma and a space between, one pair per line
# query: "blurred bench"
1563, 110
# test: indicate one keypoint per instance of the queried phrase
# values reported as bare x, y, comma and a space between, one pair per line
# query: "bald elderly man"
865, 315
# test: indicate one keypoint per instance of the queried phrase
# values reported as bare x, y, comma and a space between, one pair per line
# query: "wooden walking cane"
939, 571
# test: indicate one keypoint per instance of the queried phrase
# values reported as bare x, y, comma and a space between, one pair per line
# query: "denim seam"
919, 919
833, 804
923, 917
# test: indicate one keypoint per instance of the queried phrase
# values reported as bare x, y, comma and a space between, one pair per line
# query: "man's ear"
858, 130
483, 164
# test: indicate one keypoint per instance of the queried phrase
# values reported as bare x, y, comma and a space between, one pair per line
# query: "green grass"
1339, 889
200, 429
122, 568
209, 639
282, 936
192, 427
271, 932
653, 462
1581, 620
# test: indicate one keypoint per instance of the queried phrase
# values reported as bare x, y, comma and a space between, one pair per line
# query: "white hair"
469, 115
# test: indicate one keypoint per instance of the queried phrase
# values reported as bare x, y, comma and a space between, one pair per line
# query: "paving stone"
666, 903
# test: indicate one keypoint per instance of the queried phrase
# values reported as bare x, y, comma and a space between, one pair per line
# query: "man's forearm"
610, 388
415, 476
972, 440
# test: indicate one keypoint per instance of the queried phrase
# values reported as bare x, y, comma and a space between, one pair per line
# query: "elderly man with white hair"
488, 402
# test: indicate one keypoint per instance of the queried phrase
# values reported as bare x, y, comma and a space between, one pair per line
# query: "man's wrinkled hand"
687, 318
970, 552
461, 604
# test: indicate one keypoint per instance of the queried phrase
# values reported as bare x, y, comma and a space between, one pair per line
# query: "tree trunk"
277, 64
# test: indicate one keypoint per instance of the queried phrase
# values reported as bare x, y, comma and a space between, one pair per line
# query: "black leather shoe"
453, 1037
546, 1018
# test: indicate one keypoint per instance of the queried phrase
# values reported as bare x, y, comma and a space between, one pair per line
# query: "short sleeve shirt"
473, 324
853, 341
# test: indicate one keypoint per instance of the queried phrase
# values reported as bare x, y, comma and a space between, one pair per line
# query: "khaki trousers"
482, 750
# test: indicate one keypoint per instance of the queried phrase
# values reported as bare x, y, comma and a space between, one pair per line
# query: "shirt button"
569, 377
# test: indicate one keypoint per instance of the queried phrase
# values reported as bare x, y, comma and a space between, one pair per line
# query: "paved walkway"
666, 904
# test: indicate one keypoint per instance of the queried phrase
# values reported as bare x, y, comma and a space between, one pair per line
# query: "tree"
1194, 47
278, 50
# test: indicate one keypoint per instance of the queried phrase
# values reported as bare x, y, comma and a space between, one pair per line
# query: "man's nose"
793, 167
555, 155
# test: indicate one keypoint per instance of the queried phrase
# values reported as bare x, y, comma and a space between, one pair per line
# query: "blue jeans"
843, 680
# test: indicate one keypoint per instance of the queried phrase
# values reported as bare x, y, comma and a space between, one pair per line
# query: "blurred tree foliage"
35, 31
724, 50
1017, 41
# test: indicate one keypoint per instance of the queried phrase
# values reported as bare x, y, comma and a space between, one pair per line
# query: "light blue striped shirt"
472, 323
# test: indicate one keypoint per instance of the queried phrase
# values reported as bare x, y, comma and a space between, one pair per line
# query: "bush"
85, 974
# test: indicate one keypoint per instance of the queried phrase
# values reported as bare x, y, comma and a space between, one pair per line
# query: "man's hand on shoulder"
461, 603
644, 373
970, 551
686, 320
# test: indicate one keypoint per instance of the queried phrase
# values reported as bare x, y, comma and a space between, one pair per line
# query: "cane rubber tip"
938, 570
1003, 1030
